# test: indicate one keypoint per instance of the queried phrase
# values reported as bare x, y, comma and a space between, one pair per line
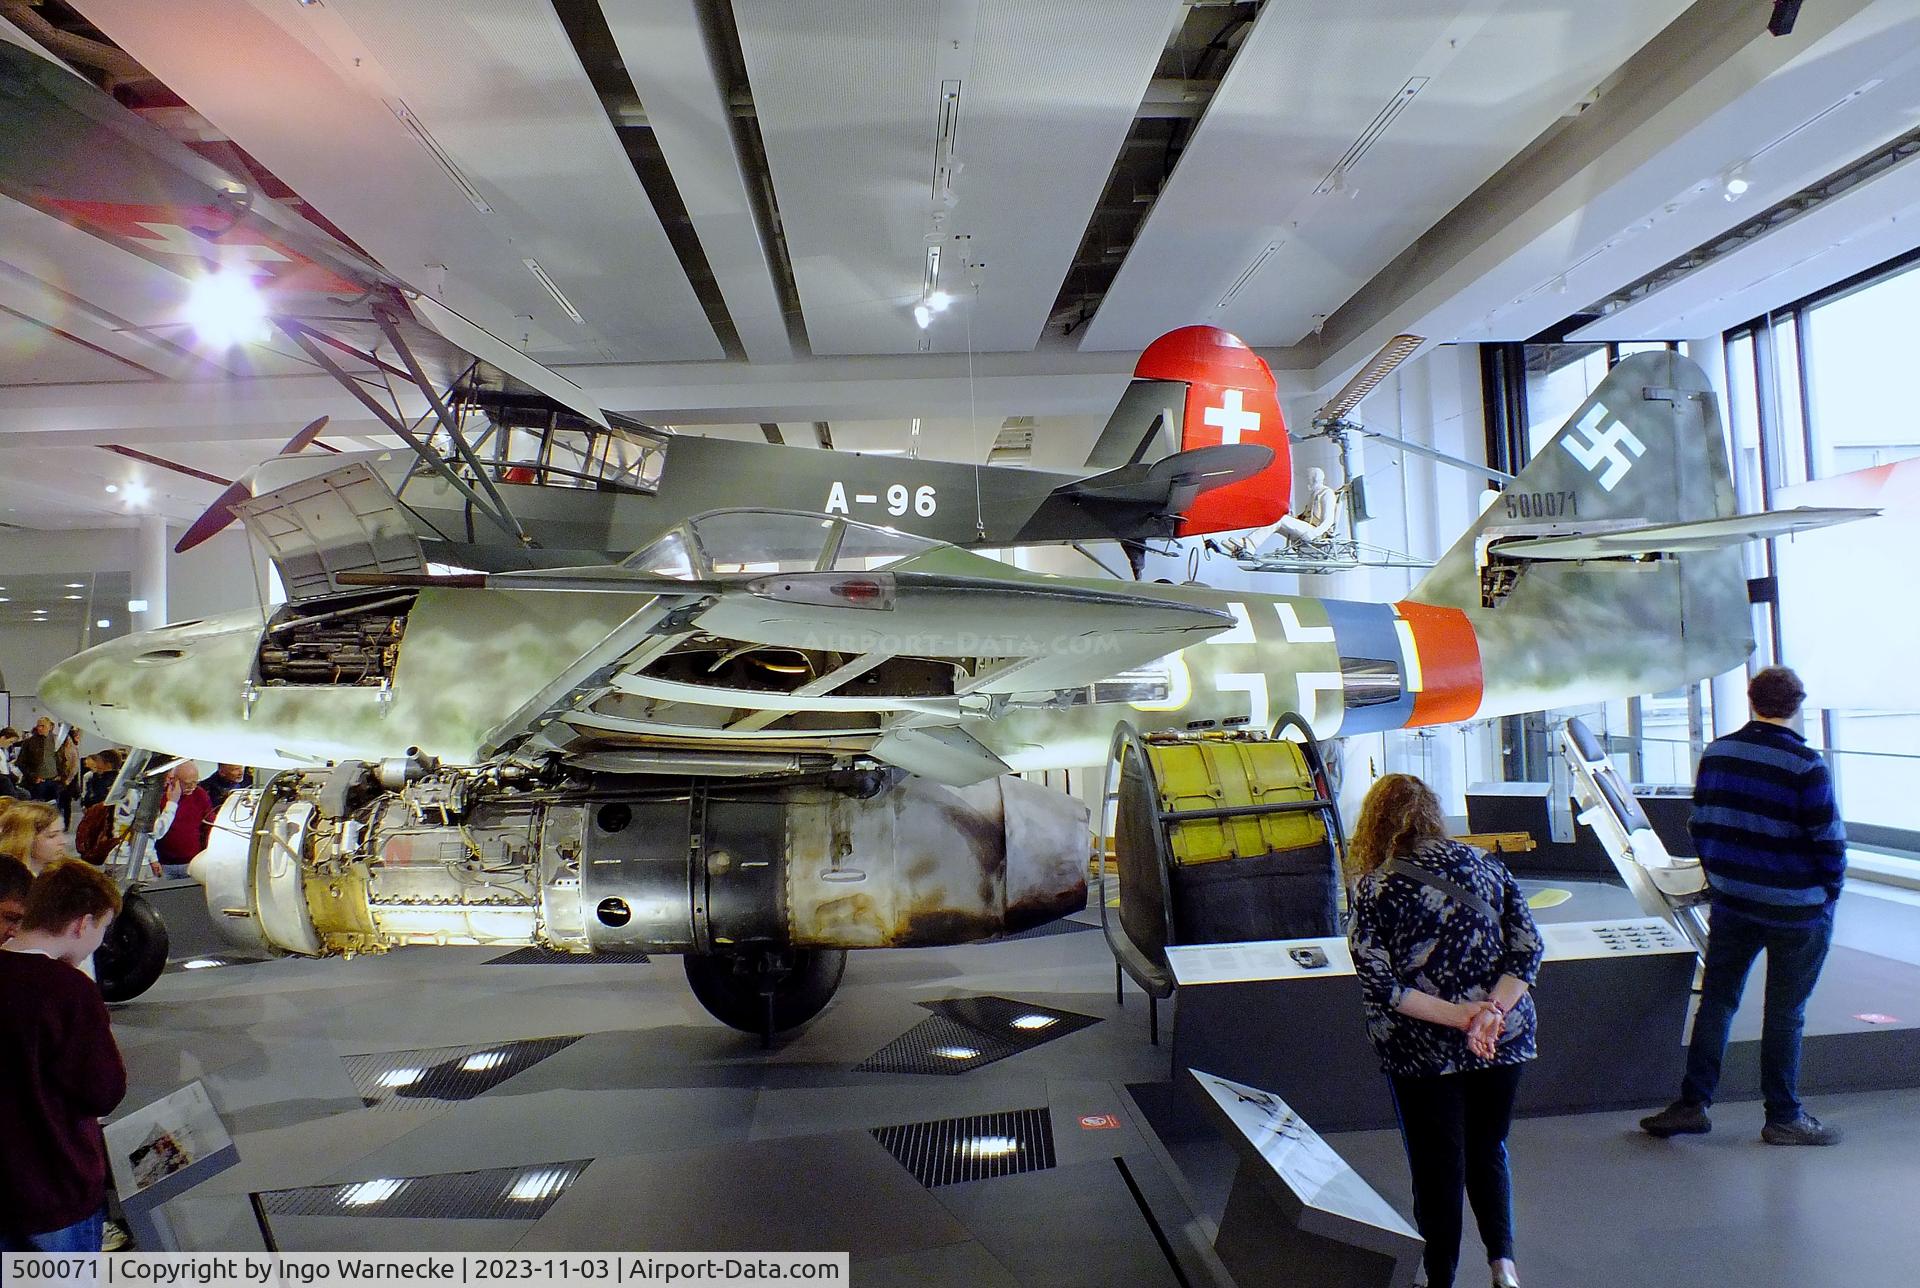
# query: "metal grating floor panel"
1041, 931
534, 956
964, 1033
951, 1151
495, 1194
444, 1075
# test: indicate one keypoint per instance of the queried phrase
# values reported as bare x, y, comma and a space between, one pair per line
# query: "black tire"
733, 987
134, 953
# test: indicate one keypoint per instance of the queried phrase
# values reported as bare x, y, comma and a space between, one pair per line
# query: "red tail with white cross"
1231, 398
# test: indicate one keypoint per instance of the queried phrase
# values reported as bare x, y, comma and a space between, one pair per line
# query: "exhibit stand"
159, 1152
1298, 1214
1286, 1015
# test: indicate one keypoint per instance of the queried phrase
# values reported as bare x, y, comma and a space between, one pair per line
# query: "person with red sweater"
60, 1070
175, 847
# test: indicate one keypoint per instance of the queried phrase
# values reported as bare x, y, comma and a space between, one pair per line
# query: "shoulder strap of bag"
1433, 880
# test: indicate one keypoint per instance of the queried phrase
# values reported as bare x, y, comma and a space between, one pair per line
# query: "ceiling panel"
33, 354
1862, 227
849, 97
673, 70
313, 92
1342, 131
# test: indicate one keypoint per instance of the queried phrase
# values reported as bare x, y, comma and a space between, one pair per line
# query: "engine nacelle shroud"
328, 861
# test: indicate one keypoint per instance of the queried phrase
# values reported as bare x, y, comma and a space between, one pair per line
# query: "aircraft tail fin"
1644, 454
1644, 449
1198, 388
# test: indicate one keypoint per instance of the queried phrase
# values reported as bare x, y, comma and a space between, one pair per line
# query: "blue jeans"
1794, 958
82, 1236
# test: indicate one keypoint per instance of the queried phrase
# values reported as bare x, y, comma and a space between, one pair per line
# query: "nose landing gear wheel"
134, 952
769, 992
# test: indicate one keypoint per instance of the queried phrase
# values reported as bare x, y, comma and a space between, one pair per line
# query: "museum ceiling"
923, 227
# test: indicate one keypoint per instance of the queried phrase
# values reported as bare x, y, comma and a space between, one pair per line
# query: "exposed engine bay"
753, 876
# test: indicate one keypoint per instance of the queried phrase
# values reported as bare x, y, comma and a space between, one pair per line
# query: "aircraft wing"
1677, 538
895, 663
72, 151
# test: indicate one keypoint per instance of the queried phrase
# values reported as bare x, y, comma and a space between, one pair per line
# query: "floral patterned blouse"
1407, 935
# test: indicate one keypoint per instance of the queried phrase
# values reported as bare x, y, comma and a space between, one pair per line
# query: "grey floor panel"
958, 1265
345, 1234
1599, 1204
859, 1105
840, 1192
223, 1221
1112, 1243
551, 1126
1071, 1100
306, 1153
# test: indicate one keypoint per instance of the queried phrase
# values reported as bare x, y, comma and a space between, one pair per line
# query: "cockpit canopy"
724, 543
555, 449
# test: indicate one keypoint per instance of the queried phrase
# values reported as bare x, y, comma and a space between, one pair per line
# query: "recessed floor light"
76, 585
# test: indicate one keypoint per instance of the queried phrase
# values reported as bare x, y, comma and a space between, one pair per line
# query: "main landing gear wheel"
768, 992
134, 952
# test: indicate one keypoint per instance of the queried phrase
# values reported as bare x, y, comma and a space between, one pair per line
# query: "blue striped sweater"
1767, 827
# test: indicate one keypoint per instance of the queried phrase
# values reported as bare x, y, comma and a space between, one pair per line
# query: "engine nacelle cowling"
329, 861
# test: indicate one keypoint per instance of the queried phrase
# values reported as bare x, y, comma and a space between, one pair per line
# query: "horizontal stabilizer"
1176, 479
1677, 538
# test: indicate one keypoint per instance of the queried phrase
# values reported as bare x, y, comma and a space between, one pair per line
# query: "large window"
1816, 390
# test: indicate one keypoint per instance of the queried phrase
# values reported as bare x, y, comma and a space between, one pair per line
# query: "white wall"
218, 577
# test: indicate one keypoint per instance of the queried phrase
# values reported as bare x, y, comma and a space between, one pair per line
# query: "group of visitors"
1447, 954
60, 1070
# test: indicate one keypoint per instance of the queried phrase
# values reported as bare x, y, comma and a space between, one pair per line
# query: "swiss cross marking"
1614, 446
1232, 420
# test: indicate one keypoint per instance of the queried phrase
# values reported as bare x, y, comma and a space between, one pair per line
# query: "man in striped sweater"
1775, 852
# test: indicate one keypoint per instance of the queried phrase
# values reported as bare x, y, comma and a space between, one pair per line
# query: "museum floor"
697, 1139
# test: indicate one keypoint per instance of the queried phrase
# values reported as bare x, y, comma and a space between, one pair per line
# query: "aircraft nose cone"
64, 690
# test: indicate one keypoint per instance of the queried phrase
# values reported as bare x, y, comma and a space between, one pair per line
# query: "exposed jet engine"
761, 883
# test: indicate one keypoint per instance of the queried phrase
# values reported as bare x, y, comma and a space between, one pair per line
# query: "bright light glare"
989, 1146
138, 493
1035, 1021
104, 622
534, 1186
923, 315
136, 605
198, 963
485, 1060
938, 301
956, 1053
401, 1077
225, 309
369, 1192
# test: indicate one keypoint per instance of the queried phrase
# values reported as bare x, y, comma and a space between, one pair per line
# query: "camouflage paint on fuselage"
1566, 633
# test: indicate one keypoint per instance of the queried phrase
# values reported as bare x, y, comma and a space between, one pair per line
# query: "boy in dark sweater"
60, 1070
1775, 851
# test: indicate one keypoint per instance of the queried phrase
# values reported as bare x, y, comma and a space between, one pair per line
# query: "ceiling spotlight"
104, 622
138, 493
112, 488
226, 309
136, 605
1734, 183
938, 301
923, 315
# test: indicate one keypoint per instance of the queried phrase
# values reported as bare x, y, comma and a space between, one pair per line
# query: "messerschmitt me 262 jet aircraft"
560, 698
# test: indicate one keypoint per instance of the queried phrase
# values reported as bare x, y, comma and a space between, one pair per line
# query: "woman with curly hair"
1446, 952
